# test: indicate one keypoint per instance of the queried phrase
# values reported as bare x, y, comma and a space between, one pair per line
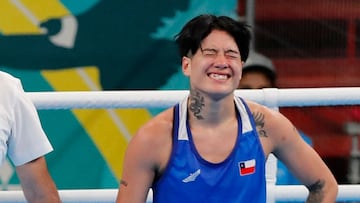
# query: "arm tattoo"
123, 182
316, 193
260, 123
196, 105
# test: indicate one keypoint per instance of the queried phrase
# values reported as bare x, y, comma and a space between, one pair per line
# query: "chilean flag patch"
247, 167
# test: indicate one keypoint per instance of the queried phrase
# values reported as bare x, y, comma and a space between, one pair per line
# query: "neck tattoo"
196, 104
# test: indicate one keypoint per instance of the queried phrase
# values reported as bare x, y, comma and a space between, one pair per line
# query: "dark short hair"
270, 74
197, 29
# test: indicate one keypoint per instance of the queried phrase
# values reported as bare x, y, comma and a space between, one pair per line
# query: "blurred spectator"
259, 72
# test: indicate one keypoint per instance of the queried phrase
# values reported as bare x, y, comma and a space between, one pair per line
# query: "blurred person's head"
258, 72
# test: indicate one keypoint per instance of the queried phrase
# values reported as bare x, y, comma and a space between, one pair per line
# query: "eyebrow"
225, 51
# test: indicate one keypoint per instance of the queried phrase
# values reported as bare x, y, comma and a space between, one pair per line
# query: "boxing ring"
271, 97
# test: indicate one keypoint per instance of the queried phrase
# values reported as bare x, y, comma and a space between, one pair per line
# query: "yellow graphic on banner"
45, 9
25, 16
16, 22
110, 129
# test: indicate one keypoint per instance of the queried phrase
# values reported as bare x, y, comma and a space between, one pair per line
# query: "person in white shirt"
23, 140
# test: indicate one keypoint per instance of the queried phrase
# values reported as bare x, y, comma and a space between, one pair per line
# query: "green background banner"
90, 45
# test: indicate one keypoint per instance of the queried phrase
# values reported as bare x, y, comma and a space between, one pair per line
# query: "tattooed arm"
316, 193
279, 136
260, 123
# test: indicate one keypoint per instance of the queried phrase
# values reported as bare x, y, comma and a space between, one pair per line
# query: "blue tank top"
188, 178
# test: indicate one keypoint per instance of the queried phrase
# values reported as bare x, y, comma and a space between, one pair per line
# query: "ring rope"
166, 98
296, 193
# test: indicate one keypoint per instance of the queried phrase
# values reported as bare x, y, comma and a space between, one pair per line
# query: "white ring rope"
271, 97
167, 98
296, 193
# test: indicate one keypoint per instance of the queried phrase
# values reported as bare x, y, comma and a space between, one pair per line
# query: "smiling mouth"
218, 76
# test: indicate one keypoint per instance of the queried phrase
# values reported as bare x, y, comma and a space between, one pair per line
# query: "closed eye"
209, 52
232, 54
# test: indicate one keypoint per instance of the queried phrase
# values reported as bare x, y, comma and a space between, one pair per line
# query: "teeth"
218, 76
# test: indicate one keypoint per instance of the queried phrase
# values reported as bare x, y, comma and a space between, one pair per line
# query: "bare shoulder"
154, 139
158, 128
272, 117
274, 129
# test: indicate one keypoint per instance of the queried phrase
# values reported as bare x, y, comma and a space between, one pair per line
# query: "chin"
219, 94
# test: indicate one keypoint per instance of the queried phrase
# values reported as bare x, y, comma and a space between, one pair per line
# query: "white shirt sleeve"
21, 134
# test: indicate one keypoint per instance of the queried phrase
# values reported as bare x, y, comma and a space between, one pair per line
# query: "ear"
186, 65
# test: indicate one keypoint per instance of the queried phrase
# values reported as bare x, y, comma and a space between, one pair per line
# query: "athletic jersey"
188, 178
21, 135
